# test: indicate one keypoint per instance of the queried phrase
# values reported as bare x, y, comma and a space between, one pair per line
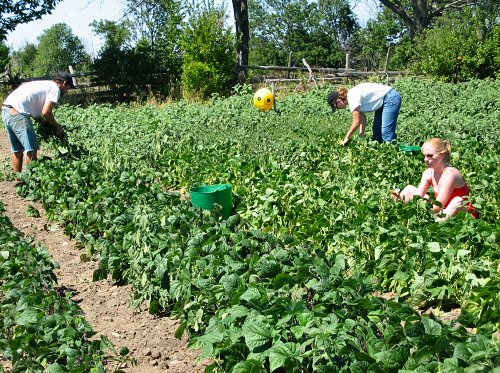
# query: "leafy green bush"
459, 49
209, 57
402, 53
199, 79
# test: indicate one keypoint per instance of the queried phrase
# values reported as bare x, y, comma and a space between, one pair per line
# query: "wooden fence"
90, 87
276, 77
309, 77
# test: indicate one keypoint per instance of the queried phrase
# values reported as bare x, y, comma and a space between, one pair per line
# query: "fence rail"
325, 70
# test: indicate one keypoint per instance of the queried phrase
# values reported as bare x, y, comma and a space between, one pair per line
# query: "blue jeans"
22, 135
386, 118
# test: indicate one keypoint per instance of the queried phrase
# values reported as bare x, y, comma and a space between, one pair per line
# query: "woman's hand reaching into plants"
396, 194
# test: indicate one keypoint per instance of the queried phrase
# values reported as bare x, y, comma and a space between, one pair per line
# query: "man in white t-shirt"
384, 100
35, 99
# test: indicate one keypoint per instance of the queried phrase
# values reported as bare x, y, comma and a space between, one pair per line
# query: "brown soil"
105, 305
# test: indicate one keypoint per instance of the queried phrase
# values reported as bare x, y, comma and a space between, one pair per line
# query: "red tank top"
463, 192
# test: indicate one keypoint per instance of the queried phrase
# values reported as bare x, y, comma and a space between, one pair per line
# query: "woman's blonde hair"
440, 146
342, 91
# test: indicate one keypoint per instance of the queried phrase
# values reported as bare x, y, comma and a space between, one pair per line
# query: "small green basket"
205, 196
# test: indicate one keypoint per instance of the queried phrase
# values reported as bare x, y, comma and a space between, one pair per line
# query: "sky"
77, 14
78, 17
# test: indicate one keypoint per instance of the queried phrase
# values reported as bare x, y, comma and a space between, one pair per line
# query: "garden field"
318, 269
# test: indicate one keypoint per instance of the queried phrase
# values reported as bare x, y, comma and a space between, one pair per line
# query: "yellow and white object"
263, 99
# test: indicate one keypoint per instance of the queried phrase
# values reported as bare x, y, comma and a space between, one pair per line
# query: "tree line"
188, 48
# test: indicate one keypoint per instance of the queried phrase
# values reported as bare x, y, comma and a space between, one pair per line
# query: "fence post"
387, 58
289, 64
72, 72
348, 59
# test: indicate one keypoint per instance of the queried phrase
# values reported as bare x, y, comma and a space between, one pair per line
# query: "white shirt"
30, 97
367, 96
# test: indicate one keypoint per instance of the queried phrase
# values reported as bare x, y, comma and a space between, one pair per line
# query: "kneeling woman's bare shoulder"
452, 173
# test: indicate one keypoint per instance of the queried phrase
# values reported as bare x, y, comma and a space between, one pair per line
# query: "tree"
338, 20
316, 31
242, 26
157, 26
381, 33
454, 50
22, 61
419, 14
116, 35
4, 56
157, 22
15, 12
120, 64
141, 55
57, 49
115, 54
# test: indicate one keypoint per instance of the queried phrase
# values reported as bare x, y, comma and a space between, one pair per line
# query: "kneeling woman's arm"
410, 191
425, 183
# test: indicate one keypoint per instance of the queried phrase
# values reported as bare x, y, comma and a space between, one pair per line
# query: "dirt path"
105, 305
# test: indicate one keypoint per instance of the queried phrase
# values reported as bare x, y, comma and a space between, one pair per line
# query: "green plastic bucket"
206, 196
410, 148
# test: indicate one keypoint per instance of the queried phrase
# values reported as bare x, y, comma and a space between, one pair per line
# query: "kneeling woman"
448, 183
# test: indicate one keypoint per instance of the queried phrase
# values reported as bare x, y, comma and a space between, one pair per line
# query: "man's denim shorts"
22, 135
